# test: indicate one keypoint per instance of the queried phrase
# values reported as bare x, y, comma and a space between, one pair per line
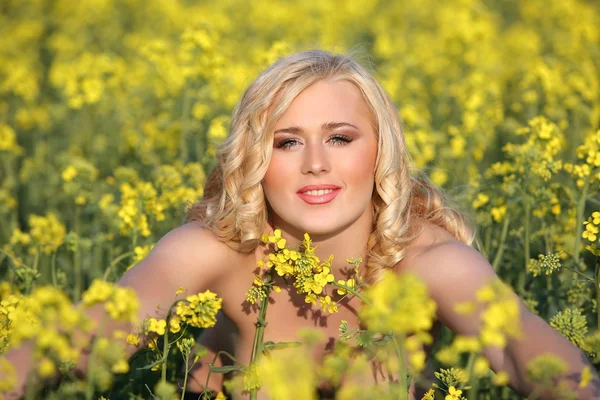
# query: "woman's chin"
321, 229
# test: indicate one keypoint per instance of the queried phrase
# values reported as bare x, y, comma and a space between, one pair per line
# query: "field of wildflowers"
110, 112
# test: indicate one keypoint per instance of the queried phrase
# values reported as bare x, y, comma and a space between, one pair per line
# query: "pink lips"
323, 199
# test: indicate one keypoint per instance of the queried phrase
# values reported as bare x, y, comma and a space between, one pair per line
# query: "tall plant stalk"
261, 323
578, 219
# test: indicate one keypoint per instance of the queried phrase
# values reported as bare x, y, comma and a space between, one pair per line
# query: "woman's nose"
315, 159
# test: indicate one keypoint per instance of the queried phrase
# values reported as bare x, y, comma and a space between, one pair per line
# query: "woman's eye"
340, 140
286, 143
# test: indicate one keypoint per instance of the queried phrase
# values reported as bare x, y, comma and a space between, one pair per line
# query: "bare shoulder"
442, 261
190, 256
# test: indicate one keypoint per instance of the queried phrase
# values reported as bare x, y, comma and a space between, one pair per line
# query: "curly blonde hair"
234, 206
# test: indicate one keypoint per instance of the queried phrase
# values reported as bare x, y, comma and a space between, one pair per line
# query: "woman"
316, 146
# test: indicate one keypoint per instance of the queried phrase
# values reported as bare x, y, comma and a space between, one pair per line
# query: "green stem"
206, 392
526, 252
53, 269
115, 262
77, 258
351, 290
185, 376
488, 241
185, 110
166, 348
474, 382
91, 362
261, 323
36, 261
579, 273
503, 235
404, 383
579, 218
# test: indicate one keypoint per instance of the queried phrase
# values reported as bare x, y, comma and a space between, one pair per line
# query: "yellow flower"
157, 326
200, 310
464, 344
481, 200
417, 360
350, 283
69, 173
586, 377
133, 339
48, 231
328, 305
399, 303
258, 281
501, 378
46, 368
481, 367
453, 393
429, 395
277, 239
120, 367
485, 294
8, 140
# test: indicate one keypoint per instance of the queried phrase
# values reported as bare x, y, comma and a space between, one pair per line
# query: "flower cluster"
401, 304
546, 263
199, 310
499, 320
591, 232
588, 155
46, 232
309, 274
572, 325
120, 303
48, 319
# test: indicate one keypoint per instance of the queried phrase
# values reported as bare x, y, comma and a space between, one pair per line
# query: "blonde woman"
316, 146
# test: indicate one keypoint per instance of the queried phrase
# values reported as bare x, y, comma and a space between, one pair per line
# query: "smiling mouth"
320, 192
322, 196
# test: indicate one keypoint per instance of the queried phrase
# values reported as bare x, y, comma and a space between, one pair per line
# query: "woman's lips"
322, 199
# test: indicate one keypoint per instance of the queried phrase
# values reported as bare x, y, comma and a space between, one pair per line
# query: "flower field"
111, 112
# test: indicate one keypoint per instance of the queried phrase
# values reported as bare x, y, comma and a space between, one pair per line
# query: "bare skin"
287, 314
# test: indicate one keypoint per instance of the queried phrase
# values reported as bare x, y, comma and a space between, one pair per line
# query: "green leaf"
279, 345
226, 369
154, 364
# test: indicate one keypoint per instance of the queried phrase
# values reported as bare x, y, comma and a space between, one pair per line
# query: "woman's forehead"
326, 101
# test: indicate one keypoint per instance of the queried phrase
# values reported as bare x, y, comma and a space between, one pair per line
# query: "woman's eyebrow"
327, 126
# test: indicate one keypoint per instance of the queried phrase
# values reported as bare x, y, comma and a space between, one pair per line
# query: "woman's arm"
454, 272
189, 257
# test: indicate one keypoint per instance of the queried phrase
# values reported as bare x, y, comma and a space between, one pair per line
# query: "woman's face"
321, 176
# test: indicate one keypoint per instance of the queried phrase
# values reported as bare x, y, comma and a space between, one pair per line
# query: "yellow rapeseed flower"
586, 377
199, 310
69, 173
453, 394
156, 326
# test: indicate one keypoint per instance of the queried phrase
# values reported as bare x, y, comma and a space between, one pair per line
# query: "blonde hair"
234, 205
